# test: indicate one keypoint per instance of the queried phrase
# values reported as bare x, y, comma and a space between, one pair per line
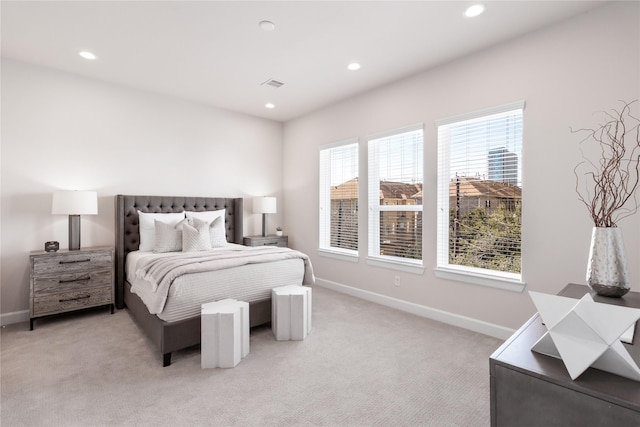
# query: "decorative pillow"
147, 227
168, 236
207, 216
217, 233
195, 237
216, 219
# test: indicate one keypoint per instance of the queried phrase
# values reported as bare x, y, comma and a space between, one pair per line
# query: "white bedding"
251, 282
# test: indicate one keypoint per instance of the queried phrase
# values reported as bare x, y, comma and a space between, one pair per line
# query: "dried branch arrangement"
611, 181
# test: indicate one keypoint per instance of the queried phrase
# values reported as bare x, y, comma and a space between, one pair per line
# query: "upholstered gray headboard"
128, 233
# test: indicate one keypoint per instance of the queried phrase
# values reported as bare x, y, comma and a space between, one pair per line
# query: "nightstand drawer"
71, 262
268, 241
66, 282
281, 241
67, 301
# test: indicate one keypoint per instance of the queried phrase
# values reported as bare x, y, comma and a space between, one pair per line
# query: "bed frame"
171, 336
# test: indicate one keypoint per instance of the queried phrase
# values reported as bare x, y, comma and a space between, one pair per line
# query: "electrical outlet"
397, 281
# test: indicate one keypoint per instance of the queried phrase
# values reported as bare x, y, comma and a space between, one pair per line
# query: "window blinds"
339, 197
395, 194
480, 190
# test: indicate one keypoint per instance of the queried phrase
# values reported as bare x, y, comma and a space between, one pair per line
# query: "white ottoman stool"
291, 312
224, 333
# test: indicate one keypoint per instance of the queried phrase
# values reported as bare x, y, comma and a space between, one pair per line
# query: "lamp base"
74, 232
264, 225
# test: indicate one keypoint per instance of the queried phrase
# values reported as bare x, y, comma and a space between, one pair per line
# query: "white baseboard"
469, 323
15, 317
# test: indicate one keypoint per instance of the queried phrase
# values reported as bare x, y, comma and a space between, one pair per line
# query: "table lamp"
264, 205
74, 204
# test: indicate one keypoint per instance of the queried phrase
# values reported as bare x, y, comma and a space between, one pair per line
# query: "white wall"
564, 73
61, 131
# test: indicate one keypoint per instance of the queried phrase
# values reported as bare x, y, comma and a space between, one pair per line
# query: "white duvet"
177, 293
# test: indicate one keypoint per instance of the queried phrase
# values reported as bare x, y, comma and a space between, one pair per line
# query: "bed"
172, 334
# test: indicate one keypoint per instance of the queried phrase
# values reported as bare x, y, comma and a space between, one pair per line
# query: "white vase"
607, 269
279, 232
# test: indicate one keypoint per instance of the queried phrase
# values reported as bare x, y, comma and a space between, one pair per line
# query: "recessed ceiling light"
267, 25
475, 10
353, 66
269, 105
87, 55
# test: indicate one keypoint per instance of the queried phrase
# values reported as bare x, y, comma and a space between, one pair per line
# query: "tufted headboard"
128, 233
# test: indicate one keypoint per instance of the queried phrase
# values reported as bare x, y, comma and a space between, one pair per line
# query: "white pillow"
207, 216
217, 233
148, 230
195, 237
217, 229
168, 236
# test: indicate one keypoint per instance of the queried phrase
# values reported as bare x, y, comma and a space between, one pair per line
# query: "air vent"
272, 83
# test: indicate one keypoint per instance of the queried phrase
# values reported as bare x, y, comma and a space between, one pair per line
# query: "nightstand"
67, 280
272, 240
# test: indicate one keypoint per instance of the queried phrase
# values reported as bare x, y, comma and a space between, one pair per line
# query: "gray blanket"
161, 272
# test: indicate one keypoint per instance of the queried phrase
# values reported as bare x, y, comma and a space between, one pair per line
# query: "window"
339, 198
395, 196
480, 193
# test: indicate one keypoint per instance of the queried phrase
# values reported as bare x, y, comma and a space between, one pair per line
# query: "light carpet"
362, 364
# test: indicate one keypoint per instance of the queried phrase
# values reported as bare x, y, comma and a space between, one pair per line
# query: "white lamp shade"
75, 203
264, 205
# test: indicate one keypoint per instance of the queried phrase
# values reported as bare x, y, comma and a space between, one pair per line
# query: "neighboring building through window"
339, 198
395, 195
480, 192
502, 166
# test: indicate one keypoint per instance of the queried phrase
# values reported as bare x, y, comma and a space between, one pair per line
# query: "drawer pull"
74, 299
75, 261
80, 279
270, 244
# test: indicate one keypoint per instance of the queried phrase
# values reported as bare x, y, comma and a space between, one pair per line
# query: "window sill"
396, 265
341, 255
476, 278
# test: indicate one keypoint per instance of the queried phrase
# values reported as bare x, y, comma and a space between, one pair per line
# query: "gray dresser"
66, 281
531, 389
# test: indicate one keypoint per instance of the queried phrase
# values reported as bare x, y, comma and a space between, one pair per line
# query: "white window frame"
324, 211
374, 208
478, 276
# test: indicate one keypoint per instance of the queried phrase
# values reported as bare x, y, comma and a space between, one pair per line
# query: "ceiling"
214, 52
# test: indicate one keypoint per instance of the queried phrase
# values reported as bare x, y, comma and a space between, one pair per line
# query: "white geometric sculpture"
291, 312
224, 333
585, 333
